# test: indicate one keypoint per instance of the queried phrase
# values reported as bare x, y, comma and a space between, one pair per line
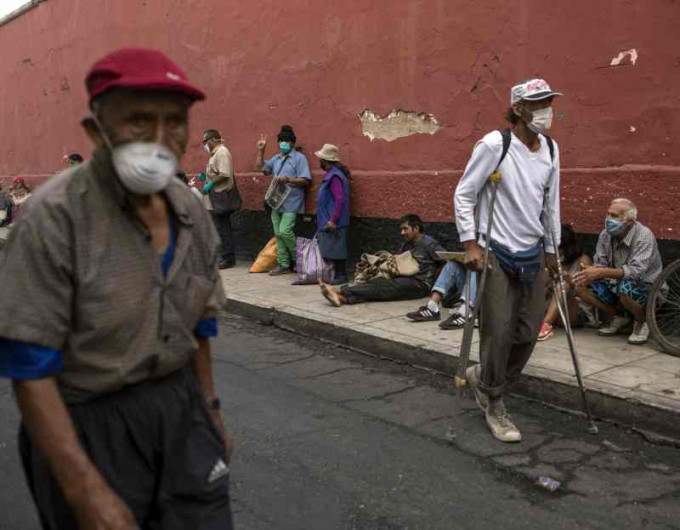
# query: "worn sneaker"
617, 324
481, 399
640, 333
498, 420
546, 332
455, 321
424, 314
592, 318
279, 270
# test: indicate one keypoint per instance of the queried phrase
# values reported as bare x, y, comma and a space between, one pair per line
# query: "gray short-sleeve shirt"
79, 274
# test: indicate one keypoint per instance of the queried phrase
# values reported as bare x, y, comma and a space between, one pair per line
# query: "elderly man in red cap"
111, 276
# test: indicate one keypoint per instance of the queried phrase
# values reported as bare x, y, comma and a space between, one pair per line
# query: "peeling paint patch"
619, 60
397, 124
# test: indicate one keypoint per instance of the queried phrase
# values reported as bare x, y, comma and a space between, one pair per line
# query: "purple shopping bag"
311, 267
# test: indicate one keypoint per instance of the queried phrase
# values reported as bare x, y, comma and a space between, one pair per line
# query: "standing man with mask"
112, 292
291, 169
219, 176
513, 301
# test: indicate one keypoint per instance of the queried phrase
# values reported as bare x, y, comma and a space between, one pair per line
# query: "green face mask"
285, 147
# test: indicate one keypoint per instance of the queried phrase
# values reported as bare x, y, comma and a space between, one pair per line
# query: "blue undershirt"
24, 360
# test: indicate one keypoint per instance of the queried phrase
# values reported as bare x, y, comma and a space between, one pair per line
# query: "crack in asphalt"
268, 364
432, 420
283, 363
332, 372
380, 396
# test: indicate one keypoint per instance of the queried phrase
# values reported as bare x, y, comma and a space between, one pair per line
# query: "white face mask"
143, 168
542, 120
206, 147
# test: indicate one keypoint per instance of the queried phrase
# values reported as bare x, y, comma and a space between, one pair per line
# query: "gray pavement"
326, 438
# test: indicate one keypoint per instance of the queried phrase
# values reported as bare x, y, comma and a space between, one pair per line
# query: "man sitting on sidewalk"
627, 261
424, 249
452, 279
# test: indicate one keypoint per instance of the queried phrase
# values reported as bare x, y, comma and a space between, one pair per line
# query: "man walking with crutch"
512, 303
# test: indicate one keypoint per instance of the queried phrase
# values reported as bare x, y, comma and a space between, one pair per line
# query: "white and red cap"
532, 90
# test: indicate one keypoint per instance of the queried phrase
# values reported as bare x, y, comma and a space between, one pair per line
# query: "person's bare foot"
331, 295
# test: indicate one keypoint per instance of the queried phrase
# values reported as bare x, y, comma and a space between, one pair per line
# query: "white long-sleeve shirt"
518, 222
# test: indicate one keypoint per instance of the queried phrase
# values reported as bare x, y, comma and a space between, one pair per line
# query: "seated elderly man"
626, 263
424, 249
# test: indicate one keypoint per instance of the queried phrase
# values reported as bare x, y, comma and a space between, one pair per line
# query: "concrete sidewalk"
4, 234
636, 386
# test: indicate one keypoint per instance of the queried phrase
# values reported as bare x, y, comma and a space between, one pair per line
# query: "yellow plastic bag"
266, 259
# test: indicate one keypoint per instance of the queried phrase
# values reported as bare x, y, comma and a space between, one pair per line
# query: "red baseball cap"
138, 69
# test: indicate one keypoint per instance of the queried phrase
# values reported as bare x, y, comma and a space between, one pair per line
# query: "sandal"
546, 332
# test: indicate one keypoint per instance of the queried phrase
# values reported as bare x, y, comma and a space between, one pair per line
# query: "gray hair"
631, 209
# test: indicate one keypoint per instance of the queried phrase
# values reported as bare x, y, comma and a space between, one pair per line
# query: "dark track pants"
510, 319
157, 448
385, 290
223, 227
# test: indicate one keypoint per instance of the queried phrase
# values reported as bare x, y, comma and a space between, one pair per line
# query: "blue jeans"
453, 276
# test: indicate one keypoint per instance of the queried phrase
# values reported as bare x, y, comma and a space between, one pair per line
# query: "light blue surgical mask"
613, 226
285, 147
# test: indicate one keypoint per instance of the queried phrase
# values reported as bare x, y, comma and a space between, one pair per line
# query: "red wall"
316, 64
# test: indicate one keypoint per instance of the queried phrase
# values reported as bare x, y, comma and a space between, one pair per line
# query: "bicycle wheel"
663, 309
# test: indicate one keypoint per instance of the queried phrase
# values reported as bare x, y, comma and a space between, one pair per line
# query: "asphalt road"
331, 439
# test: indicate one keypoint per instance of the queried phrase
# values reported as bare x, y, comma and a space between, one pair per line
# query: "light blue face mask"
613, 226
285, 147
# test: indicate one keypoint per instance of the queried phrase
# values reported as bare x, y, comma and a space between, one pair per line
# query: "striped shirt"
637, 254
80, 275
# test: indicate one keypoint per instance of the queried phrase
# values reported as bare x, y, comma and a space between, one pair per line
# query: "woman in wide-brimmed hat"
332, 211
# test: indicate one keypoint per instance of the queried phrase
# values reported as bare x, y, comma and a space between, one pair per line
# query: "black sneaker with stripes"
424, 314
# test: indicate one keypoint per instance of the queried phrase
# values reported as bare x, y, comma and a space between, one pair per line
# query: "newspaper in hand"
276, 194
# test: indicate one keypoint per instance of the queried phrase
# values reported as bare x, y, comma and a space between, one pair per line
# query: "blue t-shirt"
294, 164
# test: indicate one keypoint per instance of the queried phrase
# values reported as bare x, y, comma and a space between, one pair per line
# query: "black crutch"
471, 316
563, 308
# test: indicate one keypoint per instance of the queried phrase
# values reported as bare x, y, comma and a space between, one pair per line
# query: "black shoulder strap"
285, 159
506, 134
551, 147
507, 138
